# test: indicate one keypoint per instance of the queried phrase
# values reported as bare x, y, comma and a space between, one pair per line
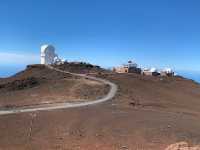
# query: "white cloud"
10, 58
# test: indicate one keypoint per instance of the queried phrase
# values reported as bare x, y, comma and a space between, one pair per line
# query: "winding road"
47, 107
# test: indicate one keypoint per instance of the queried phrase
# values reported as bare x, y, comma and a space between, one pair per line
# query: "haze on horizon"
153, 33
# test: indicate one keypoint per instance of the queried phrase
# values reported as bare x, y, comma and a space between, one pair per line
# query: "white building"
48, 55
167, 72
150, 72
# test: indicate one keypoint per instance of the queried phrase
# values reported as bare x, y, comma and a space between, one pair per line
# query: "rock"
169, 126
124, 148
29, 82
178, 146
182, 146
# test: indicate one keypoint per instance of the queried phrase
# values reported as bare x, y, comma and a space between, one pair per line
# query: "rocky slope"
37, 84
148, 113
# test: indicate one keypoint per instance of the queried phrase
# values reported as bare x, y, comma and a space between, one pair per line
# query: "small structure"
132, 67
128, 68
48, 55
167, 72
150, 72
121, 69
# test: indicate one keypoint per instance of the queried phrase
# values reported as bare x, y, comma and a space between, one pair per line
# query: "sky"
154, 33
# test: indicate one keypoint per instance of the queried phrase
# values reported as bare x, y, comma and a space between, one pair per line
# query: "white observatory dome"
46, 47
47, 54
153, 70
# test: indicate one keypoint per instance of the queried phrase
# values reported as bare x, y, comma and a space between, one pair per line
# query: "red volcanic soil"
38, 84
148, 113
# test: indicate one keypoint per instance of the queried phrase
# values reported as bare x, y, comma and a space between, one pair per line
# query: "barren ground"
148, 113
38, 85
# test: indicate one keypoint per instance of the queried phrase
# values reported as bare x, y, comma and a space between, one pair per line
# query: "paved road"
47, 107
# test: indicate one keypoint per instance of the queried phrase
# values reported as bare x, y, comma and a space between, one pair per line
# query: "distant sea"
194, 75
11, 70
6, 71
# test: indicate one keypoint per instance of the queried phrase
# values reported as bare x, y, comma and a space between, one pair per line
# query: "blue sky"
157, 33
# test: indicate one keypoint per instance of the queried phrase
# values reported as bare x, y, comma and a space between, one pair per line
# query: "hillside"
148, 113
82, 67
38, 84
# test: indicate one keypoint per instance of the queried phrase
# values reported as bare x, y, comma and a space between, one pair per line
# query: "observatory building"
150, 72
131, 67
48, 55
167, 72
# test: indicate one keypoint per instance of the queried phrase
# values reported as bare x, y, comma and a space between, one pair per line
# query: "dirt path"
45, 107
